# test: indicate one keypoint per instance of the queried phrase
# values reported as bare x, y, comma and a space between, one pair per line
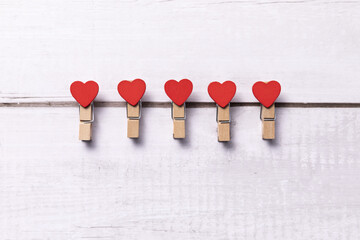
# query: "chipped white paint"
304, 185
311, 47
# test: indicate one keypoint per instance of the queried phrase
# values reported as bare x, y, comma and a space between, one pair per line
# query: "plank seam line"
188, 104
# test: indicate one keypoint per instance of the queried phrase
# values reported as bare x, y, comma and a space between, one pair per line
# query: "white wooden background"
304, 185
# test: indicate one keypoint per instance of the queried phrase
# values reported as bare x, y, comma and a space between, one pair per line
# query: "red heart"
222, 93
266, 93
132, 91
84, 93
178, 92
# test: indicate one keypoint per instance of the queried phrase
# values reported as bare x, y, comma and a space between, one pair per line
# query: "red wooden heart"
222, 93
84, 93
178, 92
266, 93
132, 91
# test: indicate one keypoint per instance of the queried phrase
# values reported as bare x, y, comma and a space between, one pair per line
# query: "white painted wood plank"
305, 185
311, 47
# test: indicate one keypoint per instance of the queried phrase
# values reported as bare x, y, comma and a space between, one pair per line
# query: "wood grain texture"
310, 47
178, 112
224, 132
268, 113
133, 111
86, 114
133, 128
85, 131
223, 114
268, 129
304, 185
179, 131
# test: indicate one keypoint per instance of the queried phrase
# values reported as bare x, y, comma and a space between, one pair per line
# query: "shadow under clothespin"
132, 92
84, 94
222, 95
267, 93
178, 92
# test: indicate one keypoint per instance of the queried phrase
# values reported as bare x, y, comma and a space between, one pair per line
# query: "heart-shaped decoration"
132, 91
178, 92
84, 93
266, 93
222, 93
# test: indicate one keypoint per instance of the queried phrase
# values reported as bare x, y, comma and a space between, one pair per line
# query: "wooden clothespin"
267, 117
84, 94
178, 116
132, 92
133, 114
178, 92
223, 120
266, 93
222, 95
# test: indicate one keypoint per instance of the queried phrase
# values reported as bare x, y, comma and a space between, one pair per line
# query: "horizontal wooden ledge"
188, 104
199, 95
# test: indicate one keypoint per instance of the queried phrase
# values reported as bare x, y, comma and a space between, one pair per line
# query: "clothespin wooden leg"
86, 119
268, 122
133, 115
178, 115
223, 119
